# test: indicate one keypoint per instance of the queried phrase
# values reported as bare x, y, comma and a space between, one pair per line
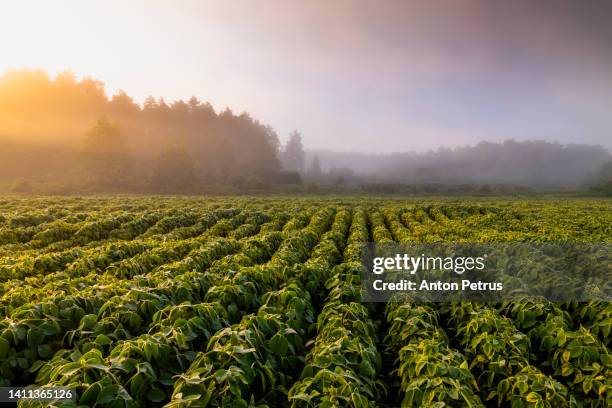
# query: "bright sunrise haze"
417, 76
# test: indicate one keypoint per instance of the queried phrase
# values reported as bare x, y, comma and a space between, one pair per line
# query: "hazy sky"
350, 75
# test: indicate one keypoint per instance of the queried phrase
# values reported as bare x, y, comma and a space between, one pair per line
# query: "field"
244, 302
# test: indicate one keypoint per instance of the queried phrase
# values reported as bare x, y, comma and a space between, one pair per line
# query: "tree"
293, 155
174, 169
194, 103
104, 152
50, 115
314, 170
150, 103
121, 104
604, 179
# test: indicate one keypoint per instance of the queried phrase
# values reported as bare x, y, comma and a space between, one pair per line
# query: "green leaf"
453, 393
359, 401
137, 385
566, 355
4, 347
50, 328
279, 344
88, 321
587, 386
220, 375
156, 395
35, 337
70, 369
366, 369
107, 394
566, 370
90, 395
533, 397
45, 351
103, 340
488, 349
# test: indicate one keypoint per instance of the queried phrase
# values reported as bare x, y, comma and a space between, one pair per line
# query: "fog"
407, 76
449, 93
531, 164
64, 135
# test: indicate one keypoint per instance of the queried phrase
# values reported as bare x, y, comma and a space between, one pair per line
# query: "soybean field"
256, 302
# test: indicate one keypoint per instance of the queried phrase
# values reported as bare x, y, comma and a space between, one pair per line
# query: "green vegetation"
255, 302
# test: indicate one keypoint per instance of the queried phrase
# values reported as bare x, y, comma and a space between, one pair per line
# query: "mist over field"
537, 164
294, 96
65, 135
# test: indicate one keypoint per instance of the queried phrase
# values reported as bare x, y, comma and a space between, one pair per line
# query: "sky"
375, 76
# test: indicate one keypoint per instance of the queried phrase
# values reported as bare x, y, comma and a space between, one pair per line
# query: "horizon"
340, 76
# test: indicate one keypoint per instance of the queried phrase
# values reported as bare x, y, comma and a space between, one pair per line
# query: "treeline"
530, 164
68, 134
63, 135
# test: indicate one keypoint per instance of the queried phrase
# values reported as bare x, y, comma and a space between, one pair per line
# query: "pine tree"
293, 155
